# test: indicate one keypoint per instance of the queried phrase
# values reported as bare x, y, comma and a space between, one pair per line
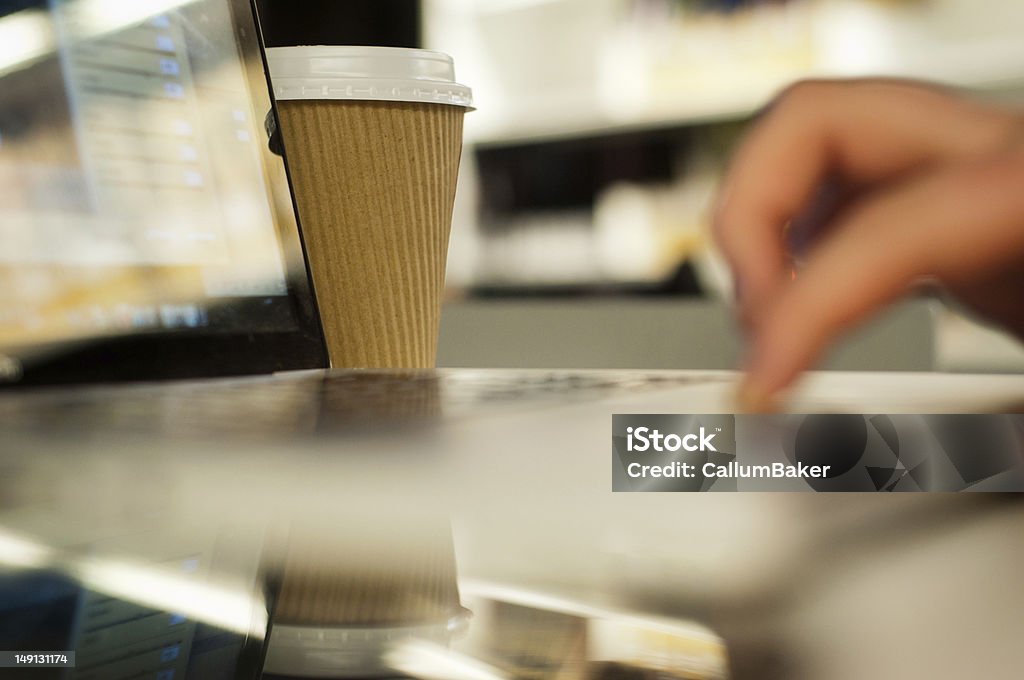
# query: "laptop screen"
137, 193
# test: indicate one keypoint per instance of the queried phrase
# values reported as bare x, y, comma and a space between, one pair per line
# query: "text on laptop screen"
134, 180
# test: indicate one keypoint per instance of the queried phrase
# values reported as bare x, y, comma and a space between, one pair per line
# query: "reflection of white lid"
366, 73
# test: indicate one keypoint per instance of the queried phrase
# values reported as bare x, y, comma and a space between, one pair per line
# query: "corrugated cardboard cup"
373, 138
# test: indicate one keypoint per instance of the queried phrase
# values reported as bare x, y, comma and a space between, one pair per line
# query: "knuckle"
802, 94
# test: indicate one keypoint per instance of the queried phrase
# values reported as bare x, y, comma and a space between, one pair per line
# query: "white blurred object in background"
558, 67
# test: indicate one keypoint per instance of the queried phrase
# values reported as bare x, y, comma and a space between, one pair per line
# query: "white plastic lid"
366, 73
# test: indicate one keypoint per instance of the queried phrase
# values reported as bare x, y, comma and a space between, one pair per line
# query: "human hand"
890, 183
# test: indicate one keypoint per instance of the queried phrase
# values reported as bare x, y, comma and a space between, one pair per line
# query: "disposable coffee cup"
373, 138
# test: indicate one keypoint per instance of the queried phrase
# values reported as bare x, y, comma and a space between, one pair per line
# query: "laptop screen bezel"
207, 353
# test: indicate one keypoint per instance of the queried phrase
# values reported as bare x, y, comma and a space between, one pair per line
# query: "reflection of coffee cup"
373, 137
349, 593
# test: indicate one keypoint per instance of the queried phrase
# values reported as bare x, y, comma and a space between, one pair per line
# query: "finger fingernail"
752, 399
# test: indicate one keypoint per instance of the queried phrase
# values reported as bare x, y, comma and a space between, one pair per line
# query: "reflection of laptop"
146, 231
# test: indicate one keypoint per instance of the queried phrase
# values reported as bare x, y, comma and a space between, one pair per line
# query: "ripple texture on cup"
375, 187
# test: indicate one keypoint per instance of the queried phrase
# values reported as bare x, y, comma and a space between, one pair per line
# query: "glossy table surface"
797, 585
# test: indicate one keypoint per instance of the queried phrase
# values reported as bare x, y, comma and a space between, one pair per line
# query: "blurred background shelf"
581, 121
602, 131
663, 333
561, 120
590, 331
603, 126
557, 69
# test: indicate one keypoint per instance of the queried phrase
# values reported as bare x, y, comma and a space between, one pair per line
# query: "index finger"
859, 131
956, 225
